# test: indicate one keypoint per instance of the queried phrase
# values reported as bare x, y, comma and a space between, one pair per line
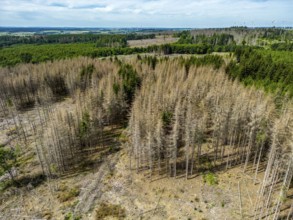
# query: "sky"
146, 13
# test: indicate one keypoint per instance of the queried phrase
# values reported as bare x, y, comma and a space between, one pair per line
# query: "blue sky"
146, 13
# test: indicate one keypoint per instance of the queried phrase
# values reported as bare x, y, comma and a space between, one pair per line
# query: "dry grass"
159, 40
110, 210
66, 193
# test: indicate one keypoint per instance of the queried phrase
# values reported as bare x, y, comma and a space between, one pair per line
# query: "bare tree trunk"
240, 200
290, 213
258, 161
175, 137
150, 143
159, 135
284, 188
250, 143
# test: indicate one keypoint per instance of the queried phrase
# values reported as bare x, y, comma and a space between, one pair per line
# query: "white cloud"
146, 13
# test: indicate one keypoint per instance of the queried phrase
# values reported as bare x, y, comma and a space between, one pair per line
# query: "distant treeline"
278, 39
215, 39
277, 34
100, 39
40, 53
196, 48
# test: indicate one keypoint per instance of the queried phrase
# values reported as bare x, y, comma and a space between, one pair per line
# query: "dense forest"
40, 53
207, 113
254, 67
104, 39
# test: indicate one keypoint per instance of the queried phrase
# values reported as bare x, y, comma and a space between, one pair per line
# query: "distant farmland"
159, 40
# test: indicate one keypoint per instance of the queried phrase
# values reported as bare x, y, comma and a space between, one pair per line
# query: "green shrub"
106, 210
131, 82
210, 178
70, 216
116, 88
167, 118
7, 161
223, 204
84, 125
67, 193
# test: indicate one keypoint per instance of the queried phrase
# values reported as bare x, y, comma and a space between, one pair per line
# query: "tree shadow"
30, 181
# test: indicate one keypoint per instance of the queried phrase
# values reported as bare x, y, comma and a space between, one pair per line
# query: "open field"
159, 40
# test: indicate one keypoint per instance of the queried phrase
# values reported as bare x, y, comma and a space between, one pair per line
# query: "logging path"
92, 189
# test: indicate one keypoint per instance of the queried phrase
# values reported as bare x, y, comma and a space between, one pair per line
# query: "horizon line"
150, 27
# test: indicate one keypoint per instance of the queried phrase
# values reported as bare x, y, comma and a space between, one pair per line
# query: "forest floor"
111, 181
140, 196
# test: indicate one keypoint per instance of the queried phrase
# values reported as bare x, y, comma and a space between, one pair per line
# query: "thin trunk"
284, 188
192, 160
248, 153
290, 213
258, 161
240, 199
150, 153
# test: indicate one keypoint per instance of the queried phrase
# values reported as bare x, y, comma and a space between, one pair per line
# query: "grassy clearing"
66, 193
110, 210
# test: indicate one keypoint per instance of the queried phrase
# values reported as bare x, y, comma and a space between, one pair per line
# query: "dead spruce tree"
68, 135
279, 170
221, 121
182, 121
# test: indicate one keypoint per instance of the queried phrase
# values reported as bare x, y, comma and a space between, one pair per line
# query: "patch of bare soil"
168, 198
